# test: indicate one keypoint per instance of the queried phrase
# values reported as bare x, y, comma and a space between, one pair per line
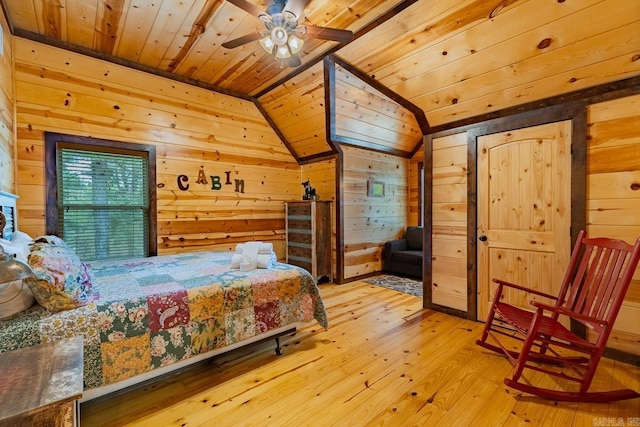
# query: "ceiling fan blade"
247, 7
294, 61
248, 38
325, 33
296, 7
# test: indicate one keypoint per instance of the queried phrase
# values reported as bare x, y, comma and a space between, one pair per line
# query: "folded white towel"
265, 248
236, 259
252, 255
267, 260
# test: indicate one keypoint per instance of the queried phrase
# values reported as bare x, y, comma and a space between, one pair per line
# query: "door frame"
576, 112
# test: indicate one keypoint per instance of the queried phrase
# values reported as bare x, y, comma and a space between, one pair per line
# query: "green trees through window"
103, 198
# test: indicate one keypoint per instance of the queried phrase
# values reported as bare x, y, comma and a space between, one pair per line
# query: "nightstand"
41, 385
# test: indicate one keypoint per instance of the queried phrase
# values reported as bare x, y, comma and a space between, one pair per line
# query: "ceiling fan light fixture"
267, 44
282, 52
295, 44
279, 36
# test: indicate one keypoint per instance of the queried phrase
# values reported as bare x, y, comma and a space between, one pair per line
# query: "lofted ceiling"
411, 66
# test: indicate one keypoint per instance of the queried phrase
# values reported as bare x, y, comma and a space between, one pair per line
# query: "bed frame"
8, 213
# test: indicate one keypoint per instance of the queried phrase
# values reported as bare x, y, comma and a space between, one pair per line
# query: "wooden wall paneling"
463, 48
448, 281
465, 43
440, 18
537, 78
7, 110
474, 56
297, 108
196, 131
367, 222
365, 114
613, 188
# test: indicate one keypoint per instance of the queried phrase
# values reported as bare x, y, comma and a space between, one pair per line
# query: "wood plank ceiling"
450, 59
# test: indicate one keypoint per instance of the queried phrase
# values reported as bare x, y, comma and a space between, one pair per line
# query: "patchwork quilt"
153, 312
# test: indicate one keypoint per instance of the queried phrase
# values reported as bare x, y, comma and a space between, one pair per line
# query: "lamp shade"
267, 44
295, 44
282, 52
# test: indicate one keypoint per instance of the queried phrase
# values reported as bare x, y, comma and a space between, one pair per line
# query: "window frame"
53, 141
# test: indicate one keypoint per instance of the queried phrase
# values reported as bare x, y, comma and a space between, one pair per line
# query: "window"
101, 196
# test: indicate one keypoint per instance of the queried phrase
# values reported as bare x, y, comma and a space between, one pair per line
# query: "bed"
150, 316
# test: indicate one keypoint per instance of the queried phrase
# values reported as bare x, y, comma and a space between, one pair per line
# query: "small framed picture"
375, 189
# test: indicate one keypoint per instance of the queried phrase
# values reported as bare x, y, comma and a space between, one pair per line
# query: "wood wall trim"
427, 223
52, 140
339, 218
276, 129
358, 143
317, 158
330, 104
5, 11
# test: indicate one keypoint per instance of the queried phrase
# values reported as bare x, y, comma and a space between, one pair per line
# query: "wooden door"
524, 211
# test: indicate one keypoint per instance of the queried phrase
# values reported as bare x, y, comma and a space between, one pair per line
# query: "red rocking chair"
593, 289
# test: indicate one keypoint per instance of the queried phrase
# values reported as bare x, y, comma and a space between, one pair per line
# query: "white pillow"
21, 237
19, 250
15, 297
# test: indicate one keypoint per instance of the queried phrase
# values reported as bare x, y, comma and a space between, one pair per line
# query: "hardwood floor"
383, 361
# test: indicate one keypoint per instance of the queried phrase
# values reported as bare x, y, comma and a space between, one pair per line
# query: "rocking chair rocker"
599, 273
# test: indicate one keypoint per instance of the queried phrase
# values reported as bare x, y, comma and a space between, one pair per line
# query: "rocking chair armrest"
522, 288
569, 313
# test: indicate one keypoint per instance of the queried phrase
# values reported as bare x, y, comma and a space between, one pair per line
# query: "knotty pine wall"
449, 221
371, 221
7, 109
613, 195
193, 129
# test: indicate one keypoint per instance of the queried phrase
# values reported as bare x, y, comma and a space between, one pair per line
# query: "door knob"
482, 238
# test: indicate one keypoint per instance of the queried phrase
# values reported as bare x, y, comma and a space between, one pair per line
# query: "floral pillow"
61, 280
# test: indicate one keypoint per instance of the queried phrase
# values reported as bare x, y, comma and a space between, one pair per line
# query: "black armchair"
404, 256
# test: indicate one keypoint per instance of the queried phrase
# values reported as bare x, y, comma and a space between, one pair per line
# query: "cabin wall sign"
216, 181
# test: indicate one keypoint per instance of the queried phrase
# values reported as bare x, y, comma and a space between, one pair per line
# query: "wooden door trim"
577, 114
574, 111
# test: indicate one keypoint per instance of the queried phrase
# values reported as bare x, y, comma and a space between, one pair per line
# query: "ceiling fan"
283, 37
